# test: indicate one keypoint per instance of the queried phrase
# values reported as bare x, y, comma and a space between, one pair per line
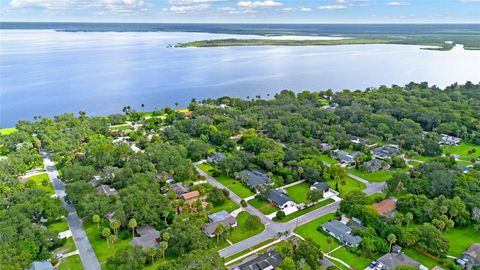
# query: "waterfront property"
342, 233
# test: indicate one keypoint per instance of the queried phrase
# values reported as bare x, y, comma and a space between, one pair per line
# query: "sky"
243, 11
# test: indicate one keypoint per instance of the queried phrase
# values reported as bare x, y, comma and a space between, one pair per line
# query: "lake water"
44, 72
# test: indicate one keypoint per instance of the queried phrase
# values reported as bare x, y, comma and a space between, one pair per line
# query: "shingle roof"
321, 186
474, 252
385, 206
269, 260
210, 227
342, 232
105, 189
393, 260
374, 165
41, 266
179, 188
218, 216
190, 195
216, 157
278, 197
386, 151
148, 237
254, 178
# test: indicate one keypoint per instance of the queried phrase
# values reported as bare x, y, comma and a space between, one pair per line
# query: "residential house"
192, 197
446, 139
342, 233
107, 190
386, 151
359, 140
345, 158
168, 177
280, 199
215, 157
216, 219
254, 178
324, 147
43, 265
179, 188
135, 149
385, 207
465, 169
96, 179
323, 186
470, 257
396, 258
375, 165
149, 237
267, 261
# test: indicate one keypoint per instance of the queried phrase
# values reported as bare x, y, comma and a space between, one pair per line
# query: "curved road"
87, 255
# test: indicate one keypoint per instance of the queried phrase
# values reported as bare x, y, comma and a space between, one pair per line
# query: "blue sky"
253, 11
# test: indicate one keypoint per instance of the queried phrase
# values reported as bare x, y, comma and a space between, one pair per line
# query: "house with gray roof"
254, 178
345, 158
386, 151
396, 258
446, 139
324, 147
464, 169
323, 186
359, 140
375, 165
217, 219
179, 188
280, 199
44, 265
342, 233
216, 157
107, 190
149, 237
470, 257
267, 261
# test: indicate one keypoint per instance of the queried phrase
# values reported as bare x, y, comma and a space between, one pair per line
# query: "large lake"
44, 72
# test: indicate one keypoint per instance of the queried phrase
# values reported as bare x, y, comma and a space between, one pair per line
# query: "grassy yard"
309, 230
243, 252
328, 159
122, 127
264, 206
6, 131
69, 246
376, 197
241, 232
38, 179
304, 211
99, 243
298, 192
228, 206
235, 186
378, 176
463, 149
350, 185
58, 227
460, 239
414, 163
357, 262
421, 258
71, 263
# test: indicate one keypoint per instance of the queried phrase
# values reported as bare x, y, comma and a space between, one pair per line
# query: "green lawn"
228, 206
69, 246
376, 197
99, 243
460, 239
243, 252
328, 159
241, 232
357, 262
122, 127
309, 230
6, 131
235, 186
58, 227
264, 206
71, 263
298, 192
463, 149
421, 258
421, 158
305, 210
350, 185
378, 176
37, 179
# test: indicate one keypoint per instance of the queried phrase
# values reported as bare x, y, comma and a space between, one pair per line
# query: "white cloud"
256, 4
192, 2
393, 4
190, 8
332, 7
117, 6
305, 9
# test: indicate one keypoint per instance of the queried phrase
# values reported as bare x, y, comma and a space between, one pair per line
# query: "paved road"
87, 255
271, 228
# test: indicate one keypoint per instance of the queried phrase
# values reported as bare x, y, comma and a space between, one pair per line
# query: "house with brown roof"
192, 197
470, 257
107, 190
385, 207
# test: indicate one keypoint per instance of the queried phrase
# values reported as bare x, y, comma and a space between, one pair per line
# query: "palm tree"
163, 247
391, 239
96, 220
114, 225
152, 251
112, 238
132, 224
408, 217
329, 242
300, 171
106, 233
166, 236
219, 231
